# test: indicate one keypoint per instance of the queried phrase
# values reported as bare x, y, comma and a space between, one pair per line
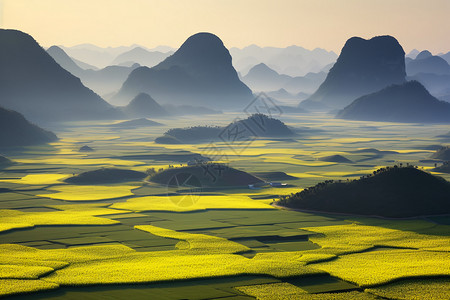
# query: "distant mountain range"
293, 60
432, 71
15, 130
32, 83
363, 67
141, 56
199, 73
425, 62
263, 78
105, 81
407, 102
437, 85
101, 57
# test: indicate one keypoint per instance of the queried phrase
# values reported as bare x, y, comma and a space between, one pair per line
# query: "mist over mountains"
263, 78
293, 60
32, 83
409, 102
363, 67
200, 78
199, 73
102, 57
104, 81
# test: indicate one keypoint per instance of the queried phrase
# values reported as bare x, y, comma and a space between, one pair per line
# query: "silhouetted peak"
200, 72
203, 39
143, 105
142, 99
34, 84
199, 49
414, 86
56, 49
424, 54
379, 46
262, 68
407, 102
364, 66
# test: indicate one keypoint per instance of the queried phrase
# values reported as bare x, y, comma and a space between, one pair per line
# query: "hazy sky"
422, 24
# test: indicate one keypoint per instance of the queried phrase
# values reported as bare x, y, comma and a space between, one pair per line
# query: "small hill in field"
442, 153
143, 122
274, 176
257, 125
205, 175
106, 175
444, 168
393, 192
86, 148
335, 158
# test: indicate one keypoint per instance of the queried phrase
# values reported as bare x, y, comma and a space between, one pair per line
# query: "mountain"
412, 54
104, 81
94, 55
263, 78
437, 85
305, 84
198, 73
83, 65
32, 83
293, 60
446, 56
425, 62
393, 192
15, 130
408, 102
64, 60
107, 80
141, 56
144, 106
363, 67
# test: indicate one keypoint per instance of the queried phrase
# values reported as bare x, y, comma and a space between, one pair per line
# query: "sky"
420, 24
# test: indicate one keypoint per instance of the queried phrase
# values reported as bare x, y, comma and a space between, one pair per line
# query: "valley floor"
135, 239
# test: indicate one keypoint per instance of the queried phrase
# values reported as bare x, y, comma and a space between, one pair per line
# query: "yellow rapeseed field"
417, 289
15, 286
197, 202
89, 193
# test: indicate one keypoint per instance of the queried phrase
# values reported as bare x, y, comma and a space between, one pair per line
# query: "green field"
134, 239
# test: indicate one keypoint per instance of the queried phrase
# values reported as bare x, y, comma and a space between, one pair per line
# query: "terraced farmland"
129, 239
